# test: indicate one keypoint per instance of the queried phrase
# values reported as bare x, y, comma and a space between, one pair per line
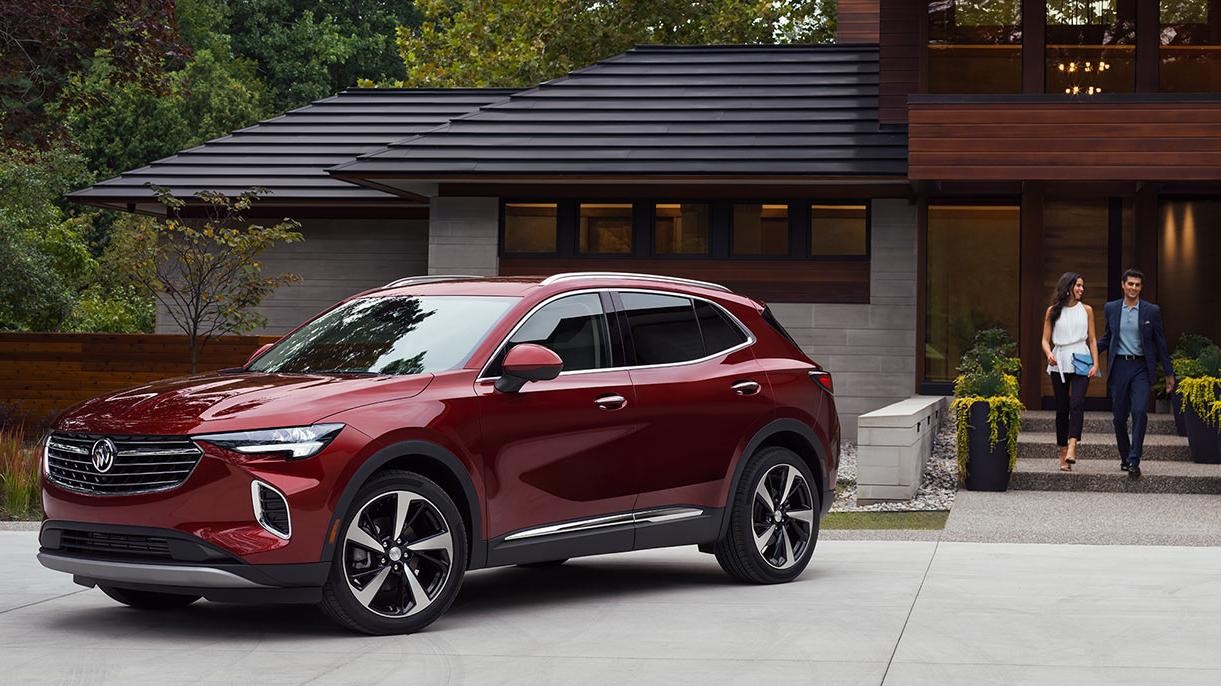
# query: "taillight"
823, 378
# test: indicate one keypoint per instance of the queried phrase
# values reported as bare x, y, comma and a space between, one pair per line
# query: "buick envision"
370, 458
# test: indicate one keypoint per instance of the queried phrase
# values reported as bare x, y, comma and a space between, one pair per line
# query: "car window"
719, 333
664, 328
573, 327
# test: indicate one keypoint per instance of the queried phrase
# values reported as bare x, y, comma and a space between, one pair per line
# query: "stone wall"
464, 236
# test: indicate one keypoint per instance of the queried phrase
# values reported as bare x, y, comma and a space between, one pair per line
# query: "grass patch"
925, 521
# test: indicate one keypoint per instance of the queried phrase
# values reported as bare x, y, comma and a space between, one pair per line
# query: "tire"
543, 565
753, 549
148, 600
419, 569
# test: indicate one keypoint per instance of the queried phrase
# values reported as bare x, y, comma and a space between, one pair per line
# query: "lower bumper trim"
152, 574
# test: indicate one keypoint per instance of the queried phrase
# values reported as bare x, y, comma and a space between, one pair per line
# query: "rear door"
700, 395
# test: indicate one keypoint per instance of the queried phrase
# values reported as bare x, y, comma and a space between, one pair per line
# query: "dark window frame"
576, 228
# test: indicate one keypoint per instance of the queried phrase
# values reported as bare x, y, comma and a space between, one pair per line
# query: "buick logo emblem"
103, 455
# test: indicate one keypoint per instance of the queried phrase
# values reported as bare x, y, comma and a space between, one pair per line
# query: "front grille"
141, 464
126, 546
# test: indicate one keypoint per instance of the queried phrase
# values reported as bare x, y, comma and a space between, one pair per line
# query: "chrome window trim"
654, 516
750, 336
554, 278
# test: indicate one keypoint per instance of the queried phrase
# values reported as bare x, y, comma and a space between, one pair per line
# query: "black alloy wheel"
773, 525
401, 558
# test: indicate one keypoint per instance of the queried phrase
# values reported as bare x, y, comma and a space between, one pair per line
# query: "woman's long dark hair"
1064, 290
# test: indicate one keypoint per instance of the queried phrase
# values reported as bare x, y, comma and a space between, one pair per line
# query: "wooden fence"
44, 373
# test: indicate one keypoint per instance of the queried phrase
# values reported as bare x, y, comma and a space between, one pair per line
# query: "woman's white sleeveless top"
1069, 336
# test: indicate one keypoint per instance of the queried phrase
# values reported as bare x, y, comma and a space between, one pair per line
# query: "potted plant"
1186, 366
988, 412
1201, 400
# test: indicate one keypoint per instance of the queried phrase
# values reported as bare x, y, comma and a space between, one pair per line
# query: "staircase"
1166, 465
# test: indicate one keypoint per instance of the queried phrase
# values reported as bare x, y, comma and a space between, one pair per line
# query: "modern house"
929, 175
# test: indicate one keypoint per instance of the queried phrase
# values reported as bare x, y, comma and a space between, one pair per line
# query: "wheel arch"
786, 433
429, 460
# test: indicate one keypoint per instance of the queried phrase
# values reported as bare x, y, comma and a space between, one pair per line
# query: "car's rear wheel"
148, 600
773, 523
400, 559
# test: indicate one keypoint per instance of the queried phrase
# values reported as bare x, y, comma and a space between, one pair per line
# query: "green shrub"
1202, 395
1190, 345
989, 373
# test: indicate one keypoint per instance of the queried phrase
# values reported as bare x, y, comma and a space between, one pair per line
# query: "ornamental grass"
18, 472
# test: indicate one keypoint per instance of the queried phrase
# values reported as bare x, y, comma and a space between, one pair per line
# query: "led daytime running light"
298, 441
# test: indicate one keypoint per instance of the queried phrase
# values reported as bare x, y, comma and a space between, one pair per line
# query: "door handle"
611, 402
746, 387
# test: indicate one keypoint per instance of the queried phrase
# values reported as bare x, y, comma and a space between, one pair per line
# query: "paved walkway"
866, 612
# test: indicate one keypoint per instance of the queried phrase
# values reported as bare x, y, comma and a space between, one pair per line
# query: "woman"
1068, 332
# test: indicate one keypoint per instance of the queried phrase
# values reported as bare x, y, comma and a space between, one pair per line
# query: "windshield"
387, 335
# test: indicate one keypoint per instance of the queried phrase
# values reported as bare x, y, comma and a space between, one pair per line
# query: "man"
1135, 341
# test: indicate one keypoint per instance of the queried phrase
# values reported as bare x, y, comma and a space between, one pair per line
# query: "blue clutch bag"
1082, 364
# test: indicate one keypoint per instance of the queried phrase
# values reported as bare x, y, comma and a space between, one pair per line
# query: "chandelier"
1081, 68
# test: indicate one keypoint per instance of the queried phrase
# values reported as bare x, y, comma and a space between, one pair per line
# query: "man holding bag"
1135, 341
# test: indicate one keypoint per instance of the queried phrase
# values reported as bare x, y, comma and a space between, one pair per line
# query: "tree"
206, 275
518, 43
310, 49
42, 42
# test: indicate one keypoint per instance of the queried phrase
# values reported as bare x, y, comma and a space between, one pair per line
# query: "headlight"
298, 441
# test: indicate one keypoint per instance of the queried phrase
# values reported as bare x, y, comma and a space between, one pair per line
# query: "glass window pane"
972, 280
719, 333
1188, 280
838, 230
573, 328
681, 229
1091, 47
606, 228
1191, 46
530, 227
663, 327
975, 46
760, 229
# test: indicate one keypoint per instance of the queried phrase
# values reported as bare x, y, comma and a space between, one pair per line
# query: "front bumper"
168, 561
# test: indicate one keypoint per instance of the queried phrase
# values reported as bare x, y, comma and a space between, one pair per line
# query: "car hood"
234, 402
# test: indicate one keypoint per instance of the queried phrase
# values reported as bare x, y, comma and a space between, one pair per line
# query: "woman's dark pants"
1070, 405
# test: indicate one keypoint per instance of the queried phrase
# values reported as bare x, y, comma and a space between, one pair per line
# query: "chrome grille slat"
136, 468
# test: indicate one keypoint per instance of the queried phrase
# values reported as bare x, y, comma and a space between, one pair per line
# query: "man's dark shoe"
1134, 471
1123, 465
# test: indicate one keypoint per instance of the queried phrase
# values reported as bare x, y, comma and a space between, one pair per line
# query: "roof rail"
628, 275
417, 280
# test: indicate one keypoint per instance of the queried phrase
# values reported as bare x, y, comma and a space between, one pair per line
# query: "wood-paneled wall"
857, 21
901, 31
804, 281
1026, 138
44, 373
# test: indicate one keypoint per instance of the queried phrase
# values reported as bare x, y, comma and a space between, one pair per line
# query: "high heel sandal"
1064, 466
1070, 455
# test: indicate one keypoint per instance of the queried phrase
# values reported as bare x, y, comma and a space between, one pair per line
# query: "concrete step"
1105, 476
1044, 421
1097, 446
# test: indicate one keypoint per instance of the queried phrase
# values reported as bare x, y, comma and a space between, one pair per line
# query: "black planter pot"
1203, 440
987, 466
1180, 420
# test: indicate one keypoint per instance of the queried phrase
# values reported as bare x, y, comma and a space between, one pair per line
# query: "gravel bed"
937, 486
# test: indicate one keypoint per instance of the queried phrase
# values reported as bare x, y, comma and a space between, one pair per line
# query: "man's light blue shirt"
1129, 330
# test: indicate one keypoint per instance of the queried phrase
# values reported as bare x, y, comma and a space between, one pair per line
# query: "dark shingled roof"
678, 111
289, 154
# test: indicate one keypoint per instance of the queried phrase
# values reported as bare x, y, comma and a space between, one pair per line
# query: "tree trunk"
194, 351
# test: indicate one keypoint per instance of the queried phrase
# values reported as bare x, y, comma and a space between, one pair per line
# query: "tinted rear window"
664, 328
719, 333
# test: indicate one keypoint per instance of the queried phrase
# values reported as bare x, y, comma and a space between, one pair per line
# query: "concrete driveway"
866, 612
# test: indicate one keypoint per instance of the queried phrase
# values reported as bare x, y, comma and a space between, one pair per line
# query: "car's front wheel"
401, 558
773, 523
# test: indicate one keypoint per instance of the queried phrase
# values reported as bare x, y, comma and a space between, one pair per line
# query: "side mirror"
262, 349
527, 362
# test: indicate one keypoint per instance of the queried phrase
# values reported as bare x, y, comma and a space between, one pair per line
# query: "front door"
557, 452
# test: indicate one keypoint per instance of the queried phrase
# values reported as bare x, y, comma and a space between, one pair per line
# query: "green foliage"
206, 274
125, 126
309, 49
1209, 361
1202, 395
1191, 345
122, 309
518, 43
1002, 410
988, 373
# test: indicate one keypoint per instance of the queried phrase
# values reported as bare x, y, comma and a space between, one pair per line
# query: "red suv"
371, 457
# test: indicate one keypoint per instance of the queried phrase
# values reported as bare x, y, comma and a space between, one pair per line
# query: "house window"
1091, 47
760, 230
1190, 53
975, 46
681, 229
605, 228
530, 227
839, 231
